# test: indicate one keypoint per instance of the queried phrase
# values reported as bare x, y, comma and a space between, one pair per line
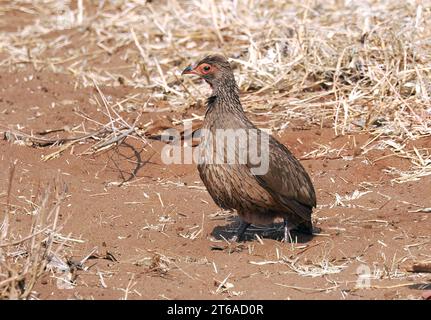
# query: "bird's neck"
225, 98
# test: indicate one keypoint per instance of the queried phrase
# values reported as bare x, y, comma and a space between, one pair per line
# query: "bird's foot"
240, 232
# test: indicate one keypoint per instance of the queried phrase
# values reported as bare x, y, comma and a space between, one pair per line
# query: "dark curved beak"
189, 70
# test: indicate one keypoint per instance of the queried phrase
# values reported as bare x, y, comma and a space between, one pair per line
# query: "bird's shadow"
274, 231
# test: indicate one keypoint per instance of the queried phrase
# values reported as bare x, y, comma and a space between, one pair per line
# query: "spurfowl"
283, 189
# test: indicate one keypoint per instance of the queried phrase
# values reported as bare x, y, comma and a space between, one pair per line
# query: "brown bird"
282, 190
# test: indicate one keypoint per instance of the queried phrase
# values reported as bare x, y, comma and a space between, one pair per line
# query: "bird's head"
214, 69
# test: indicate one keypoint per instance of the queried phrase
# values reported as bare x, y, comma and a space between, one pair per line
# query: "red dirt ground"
161, 233
127, 203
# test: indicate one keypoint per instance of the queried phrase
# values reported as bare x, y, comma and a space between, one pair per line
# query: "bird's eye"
206, 68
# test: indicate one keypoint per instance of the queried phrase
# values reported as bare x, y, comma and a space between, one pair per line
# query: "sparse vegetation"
86, 88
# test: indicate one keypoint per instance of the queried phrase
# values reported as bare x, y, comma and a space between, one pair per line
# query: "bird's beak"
189, 70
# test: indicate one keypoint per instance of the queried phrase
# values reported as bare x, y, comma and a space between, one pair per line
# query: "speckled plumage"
284, 191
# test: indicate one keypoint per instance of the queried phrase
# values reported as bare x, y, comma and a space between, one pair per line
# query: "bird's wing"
285, 177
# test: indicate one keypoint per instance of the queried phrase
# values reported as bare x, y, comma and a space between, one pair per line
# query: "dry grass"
24, 259
357, 66
360, 65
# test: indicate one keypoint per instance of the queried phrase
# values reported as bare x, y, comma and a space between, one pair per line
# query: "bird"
284, 190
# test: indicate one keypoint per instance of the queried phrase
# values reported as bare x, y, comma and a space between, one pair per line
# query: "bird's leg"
240, 232
287, 236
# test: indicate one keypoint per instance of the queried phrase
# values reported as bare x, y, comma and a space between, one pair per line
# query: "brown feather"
284, 191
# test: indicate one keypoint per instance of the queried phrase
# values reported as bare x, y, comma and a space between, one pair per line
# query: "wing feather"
287, 181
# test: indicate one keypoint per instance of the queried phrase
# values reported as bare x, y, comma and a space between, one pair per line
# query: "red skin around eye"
203, 71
